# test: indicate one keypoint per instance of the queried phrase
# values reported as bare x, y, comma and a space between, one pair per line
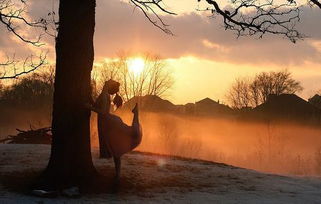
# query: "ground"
155, 178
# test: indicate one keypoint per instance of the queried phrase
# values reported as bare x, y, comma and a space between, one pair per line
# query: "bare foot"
135, 109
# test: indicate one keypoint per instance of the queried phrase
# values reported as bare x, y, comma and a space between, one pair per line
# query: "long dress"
115, 137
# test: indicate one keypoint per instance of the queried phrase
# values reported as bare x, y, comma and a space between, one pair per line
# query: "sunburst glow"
136, 65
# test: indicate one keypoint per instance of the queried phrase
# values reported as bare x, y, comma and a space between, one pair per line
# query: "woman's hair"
118, 101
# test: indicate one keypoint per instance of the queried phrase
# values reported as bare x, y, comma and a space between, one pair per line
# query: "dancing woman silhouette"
115, 137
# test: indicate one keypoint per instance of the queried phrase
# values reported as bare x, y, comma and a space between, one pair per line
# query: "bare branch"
256, 18
27, 66
13, 15
8, 61
315, 2
150, 9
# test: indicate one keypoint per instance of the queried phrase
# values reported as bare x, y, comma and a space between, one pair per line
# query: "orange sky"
199, 78
204, 58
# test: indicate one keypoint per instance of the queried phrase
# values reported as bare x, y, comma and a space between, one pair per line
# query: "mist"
275, 147
23, 118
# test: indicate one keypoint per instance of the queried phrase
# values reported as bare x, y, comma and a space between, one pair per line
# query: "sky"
204, 58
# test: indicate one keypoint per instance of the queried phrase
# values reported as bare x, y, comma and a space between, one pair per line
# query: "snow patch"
163, 179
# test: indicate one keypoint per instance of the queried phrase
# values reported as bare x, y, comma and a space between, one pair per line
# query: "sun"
136, 65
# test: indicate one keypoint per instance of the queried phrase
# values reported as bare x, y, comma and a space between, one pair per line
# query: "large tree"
70, 161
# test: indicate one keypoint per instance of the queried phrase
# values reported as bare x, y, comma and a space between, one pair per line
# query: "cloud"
11, 45
120, 27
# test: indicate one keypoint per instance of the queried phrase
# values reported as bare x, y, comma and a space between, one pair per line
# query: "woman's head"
111, 86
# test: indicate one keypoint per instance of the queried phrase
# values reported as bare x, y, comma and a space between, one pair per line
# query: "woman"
115, 137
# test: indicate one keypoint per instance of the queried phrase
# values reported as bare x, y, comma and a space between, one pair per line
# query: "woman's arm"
101, 105
92, 108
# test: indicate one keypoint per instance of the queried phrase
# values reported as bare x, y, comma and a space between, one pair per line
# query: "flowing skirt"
115, 137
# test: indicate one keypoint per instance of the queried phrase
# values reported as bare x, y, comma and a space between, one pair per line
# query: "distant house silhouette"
316, 101
205, 107
188, 108
150, 103
288, 106
208, 106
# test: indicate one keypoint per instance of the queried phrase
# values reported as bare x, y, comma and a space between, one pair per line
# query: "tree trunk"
70, 161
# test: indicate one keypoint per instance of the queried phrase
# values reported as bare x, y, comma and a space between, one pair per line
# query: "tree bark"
70, 161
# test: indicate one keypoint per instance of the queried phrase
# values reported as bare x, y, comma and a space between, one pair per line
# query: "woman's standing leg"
117, 162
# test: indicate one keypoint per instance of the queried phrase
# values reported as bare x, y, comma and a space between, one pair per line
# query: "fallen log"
38, 136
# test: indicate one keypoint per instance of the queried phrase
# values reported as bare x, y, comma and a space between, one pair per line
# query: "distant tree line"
36, 90
251, 92
30, 92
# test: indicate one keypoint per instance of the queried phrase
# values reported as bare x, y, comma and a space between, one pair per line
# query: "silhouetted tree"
252, 92
239, 94
274, 83
70, 161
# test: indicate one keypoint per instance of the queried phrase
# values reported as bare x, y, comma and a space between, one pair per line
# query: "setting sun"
136, 65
